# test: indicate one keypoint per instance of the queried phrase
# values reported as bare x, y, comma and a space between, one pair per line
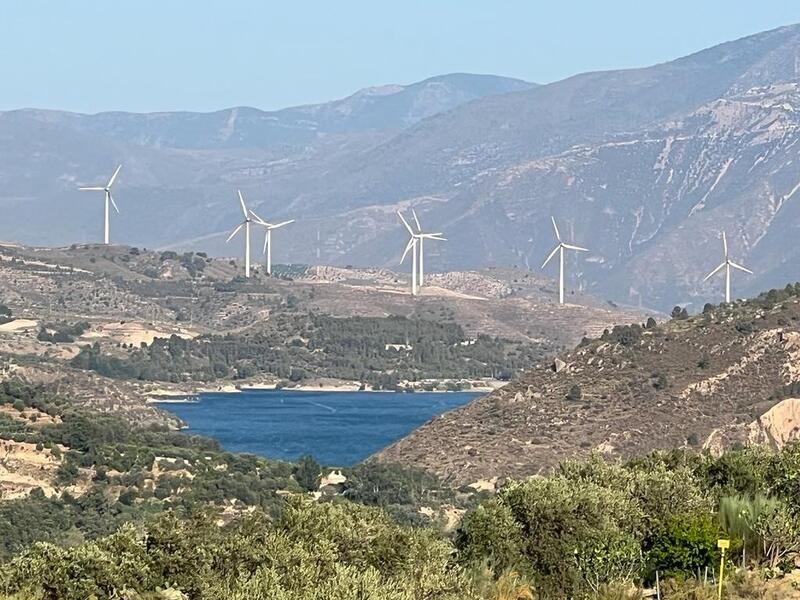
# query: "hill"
716, 380
643, 166
114, 324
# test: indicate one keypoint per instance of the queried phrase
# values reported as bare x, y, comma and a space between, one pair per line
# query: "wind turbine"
419, 236
726, 264
246, 225
108, 200
412, 245
268, 237
560, 249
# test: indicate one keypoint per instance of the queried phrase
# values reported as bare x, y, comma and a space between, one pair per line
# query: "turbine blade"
725, 244
266, 237
281, 224
555, 227
113, 177
740, 267
403, 219
114, 204
258, 219
92, 189
433, 236
550, 256
578, 248
235, 231
244, 208
714, 272
416, 220
410, 245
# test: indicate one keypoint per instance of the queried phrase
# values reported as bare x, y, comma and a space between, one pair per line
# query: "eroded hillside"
702, 381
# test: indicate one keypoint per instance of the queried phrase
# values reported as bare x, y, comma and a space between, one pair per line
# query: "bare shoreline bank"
191, 395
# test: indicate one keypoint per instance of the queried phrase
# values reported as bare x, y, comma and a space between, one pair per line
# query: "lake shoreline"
189, 394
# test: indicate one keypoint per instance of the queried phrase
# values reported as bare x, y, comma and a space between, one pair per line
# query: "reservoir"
336, 428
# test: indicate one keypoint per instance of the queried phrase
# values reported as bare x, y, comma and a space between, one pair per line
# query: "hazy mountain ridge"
388, 107
630, 162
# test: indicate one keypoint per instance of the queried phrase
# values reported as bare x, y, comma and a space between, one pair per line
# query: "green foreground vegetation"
162, 513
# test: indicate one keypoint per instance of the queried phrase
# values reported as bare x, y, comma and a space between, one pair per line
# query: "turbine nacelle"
726, 264
559, 249
246, 224
417, 239
109, 199
251, 216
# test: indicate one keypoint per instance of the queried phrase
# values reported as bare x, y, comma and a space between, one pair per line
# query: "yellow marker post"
723, 545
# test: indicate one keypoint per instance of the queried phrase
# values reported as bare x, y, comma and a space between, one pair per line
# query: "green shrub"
688, 544
573, 535
307, 473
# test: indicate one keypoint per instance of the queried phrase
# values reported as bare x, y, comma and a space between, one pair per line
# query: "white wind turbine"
268, 236
108, 200
246, 225
418, 237
560, 250
727, 263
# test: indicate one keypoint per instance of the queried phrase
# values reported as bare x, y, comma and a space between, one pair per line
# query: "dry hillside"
126, 297
719, 378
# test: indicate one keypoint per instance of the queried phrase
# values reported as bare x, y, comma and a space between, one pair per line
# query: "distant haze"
644, 167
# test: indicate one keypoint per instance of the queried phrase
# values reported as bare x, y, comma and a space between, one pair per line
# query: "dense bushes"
312, 552
572, 535
62, 333
587, 529
627, 335
381, 484
594, 523
298, 347
6, 315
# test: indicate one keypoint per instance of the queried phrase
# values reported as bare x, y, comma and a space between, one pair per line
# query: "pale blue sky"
150, 55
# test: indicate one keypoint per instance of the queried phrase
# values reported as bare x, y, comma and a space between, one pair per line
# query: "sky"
203, 55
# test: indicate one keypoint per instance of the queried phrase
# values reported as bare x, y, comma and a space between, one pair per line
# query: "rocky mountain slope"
720, 378
642, 166
181, 169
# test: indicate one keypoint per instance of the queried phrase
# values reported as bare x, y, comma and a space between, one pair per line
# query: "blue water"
336, 428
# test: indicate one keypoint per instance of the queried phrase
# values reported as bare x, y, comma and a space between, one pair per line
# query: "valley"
462, 338
114, 324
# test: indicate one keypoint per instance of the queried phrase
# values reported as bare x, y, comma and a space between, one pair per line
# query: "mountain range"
644, 166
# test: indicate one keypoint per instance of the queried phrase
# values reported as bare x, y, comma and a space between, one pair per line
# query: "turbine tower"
246, 225
108, 200
560, 250
727, 263
268, 236
412, 245
418, 237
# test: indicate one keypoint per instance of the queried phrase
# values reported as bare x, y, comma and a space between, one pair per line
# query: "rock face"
699, 382
643, 166
778, 426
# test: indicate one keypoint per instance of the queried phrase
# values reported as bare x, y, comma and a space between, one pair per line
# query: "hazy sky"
149, 55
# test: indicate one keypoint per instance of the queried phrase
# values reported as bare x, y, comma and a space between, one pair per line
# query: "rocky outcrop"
778, 426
